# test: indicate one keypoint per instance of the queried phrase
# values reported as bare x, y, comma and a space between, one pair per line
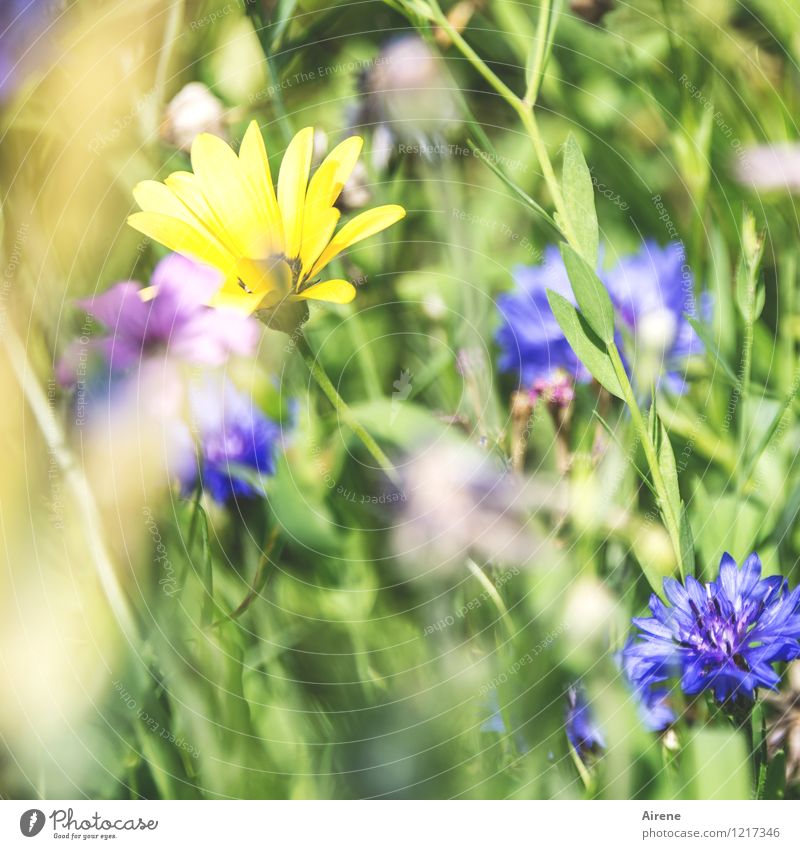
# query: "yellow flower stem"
343, 411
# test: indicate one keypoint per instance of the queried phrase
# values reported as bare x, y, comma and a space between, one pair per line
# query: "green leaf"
576, 185
588, 347
590, 293
669, 470
687, 542
206, 569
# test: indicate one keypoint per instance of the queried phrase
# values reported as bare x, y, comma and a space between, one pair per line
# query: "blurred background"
412, 640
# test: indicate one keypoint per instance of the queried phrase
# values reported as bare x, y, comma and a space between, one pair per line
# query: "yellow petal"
317, 232
328, 181
332, 291
156, 197
179, 236
219, 175
258, 177
262, 276
186, 187
232, 296
361, 227
292, 183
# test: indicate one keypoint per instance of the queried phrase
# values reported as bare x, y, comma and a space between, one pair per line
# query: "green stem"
76, 482
344, 412
536, 71
670, 519
744, 391
491, 591
259, 581
525, 113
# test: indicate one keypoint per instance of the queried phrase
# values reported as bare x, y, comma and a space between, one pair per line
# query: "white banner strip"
402, 824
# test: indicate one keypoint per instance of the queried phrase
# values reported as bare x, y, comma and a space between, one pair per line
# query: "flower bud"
192, 111
409, 90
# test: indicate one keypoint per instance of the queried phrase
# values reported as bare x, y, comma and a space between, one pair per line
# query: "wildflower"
192, 111
582, 731
24, 27
406, 97
721, 637
270, 246
652, 702
652, 293
530, 338
139, 395
235, 444
168, 319
458, 502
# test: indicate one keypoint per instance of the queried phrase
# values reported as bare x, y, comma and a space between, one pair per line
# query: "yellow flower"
270, 247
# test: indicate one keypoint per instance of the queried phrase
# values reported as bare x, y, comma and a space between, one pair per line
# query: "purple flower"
651, 292
235, 443
652, 702
173, 322
151, 335
530, 338
722, 637
582, 731
24, 26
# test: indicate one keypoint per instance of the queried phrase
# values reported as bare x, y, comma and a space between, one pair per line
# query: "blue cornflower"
652, 702
722, 637
232, 435
530, 338
652, 292
582, 731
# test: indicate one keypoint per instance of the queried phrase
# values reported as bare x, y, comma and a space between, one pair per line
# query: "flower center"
718, 633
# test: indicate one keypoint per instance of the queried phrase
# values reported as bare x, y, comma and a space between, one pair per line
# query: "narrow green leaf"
687, 542
588, 347
669, 470
653, 423
590, 293
576, 185
492, 165
206, 567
